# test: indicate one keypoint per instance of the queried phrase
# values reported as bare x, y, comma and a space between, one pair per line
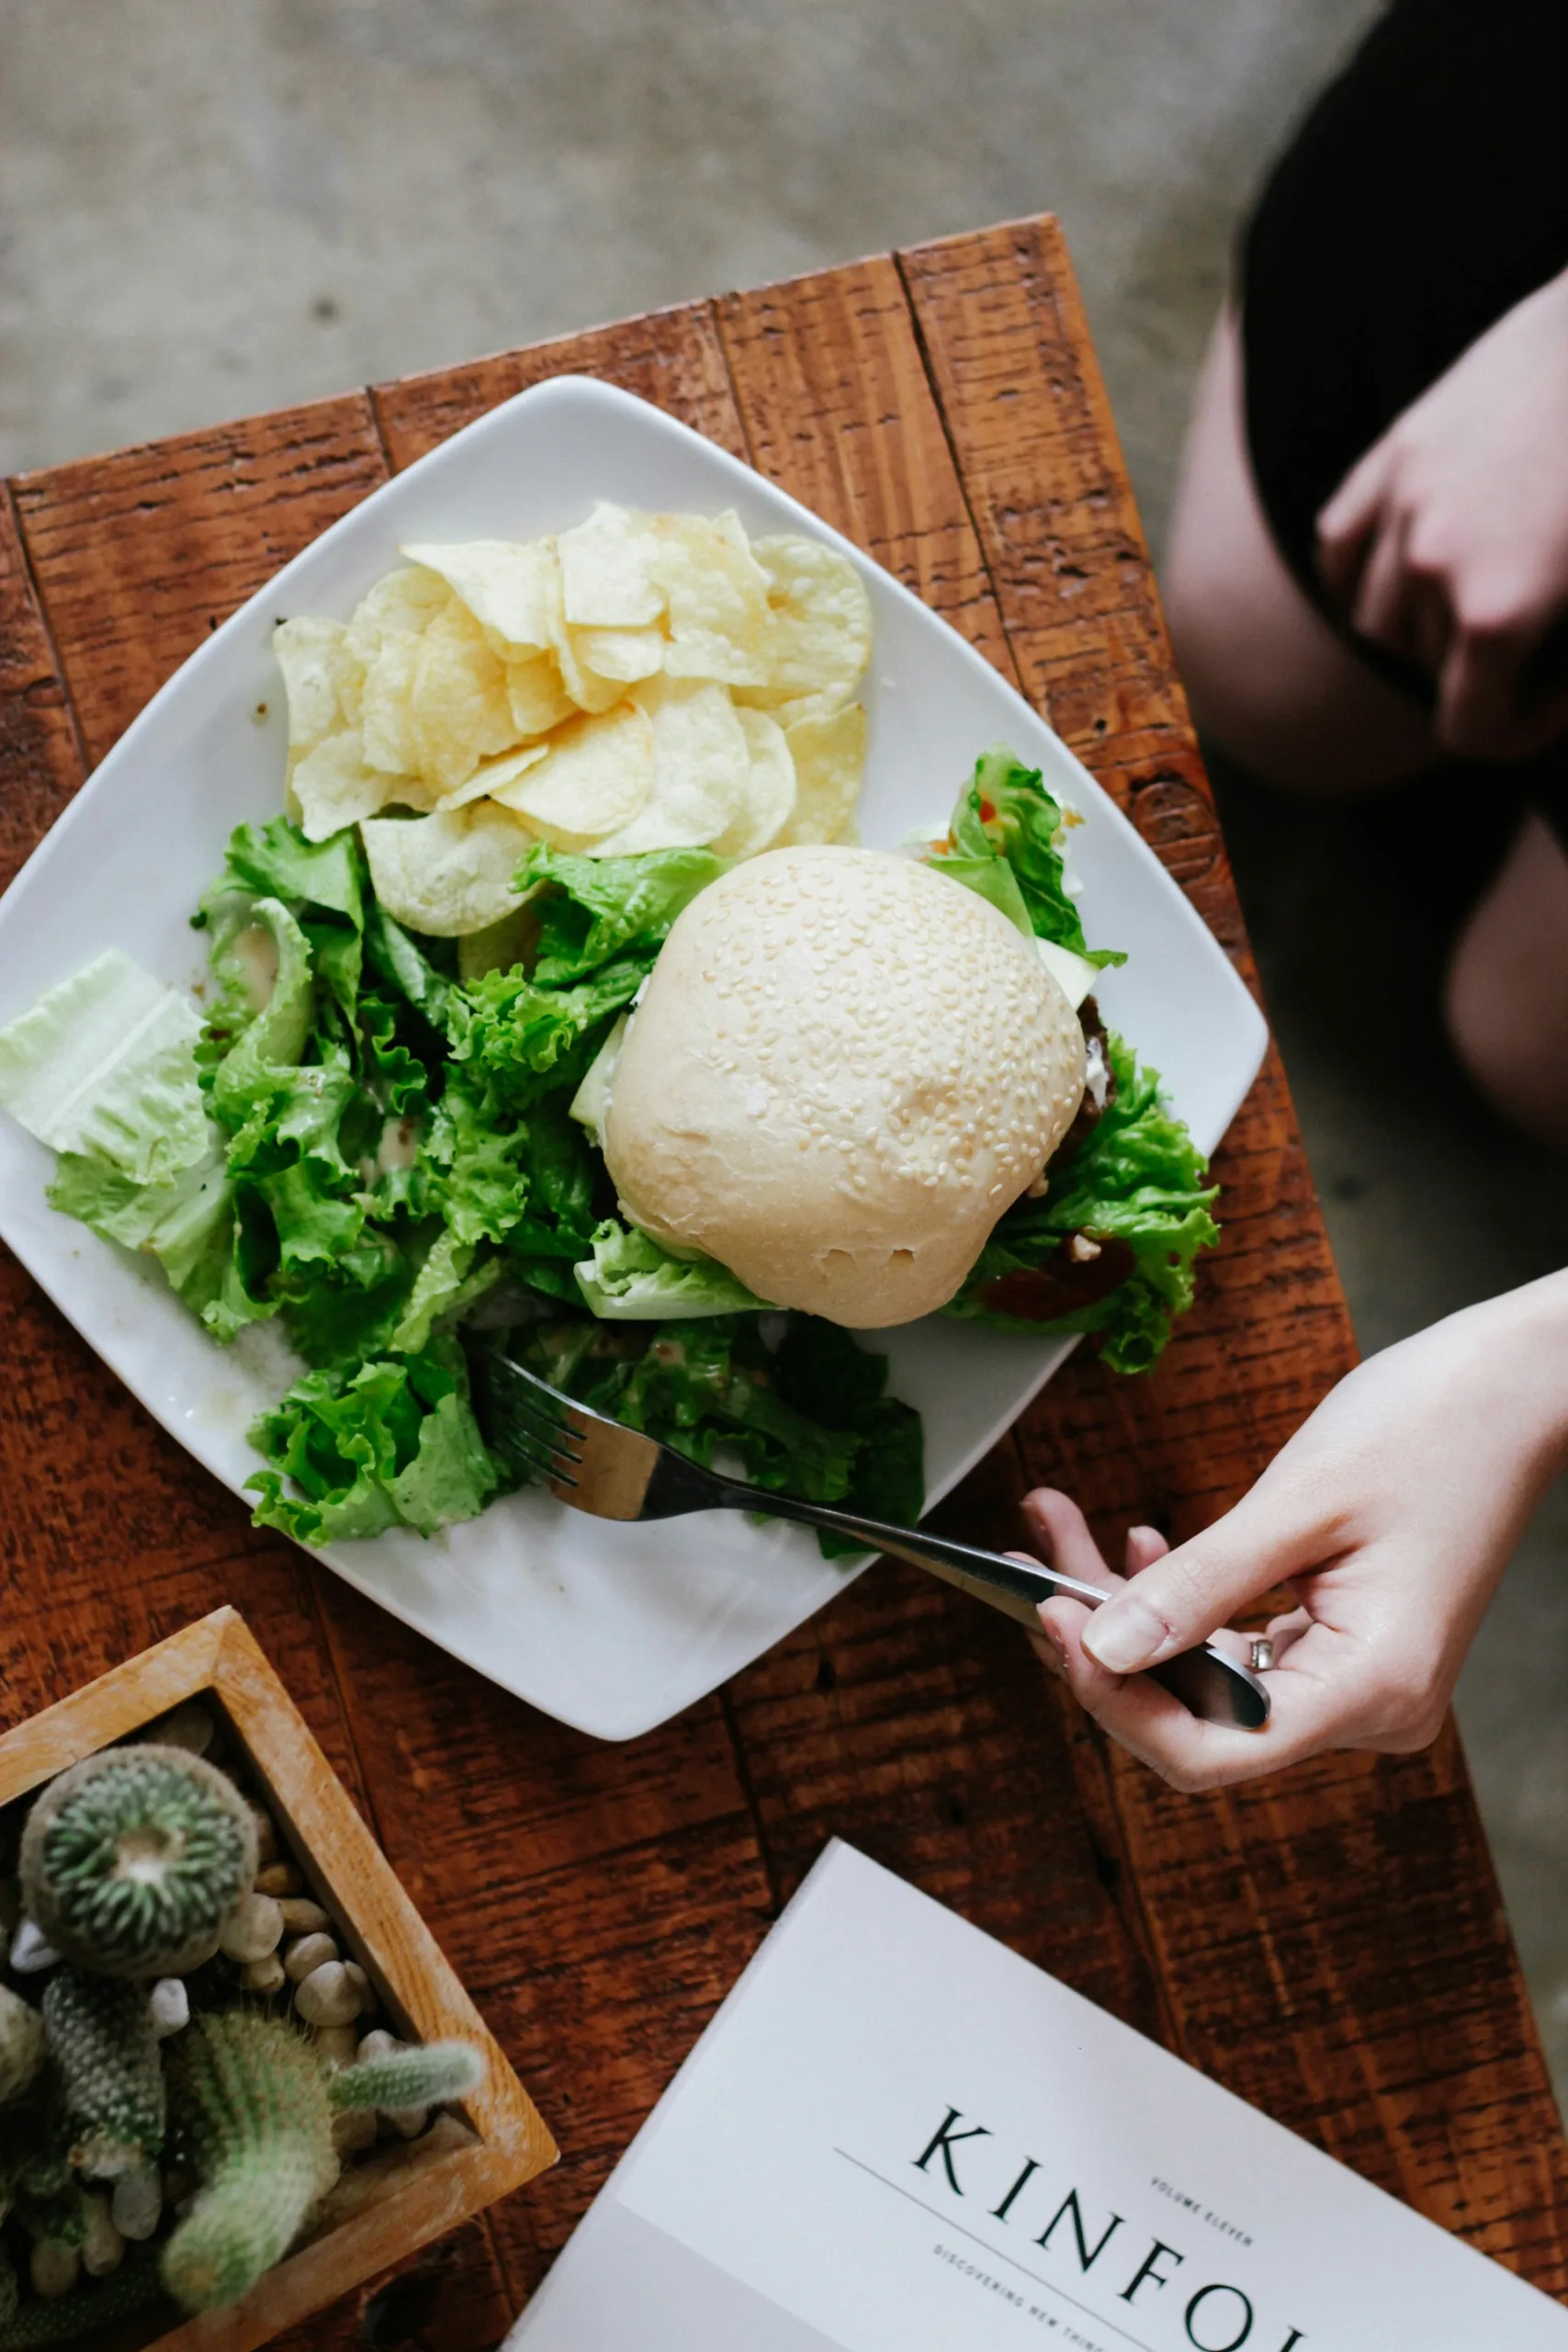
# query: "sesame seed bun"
845, 1068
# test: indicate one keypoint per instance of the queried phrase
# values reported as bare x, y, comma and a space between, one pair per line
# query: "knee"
1505, 1000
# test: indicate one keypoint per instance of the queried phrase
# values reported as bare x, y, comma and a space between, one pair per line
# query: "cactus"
21, 2045
81, 2313
252, 2116
131, 1860
404, 2079
101, 2037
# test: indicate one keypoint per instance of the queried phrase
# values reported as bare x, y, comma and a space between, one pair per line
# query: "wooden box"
394, 2202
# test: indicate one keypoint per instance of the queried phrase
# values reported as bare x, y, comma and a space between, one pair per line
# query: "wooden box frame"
398, 2200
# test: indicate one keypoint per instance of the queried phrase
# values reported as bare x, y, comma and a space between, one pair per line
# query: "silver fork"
600, 1466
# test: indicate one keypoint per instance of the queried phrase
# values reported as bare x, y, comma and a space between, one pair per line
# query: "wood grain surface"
1330, 1945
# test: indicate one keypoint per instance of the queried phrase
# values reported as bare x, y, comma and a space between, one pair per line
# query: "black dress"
1425, 195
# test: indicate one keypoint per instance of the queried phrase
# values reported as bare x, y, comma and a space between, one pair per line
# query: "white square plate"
613, 1629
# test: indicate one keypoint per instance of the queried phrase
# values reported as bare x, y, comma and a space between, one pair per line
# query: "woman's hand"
1449, 542
1392, 1513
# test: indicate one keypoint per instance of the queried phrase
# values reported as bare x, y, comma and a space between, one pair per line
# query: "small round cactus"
103, 2043
132, 1860
252, 2116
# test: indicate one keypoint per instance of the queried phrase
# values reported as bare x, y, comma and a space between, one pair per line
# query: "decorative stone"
335, 2046
379, 2044
264, 1976
103, 2247
137, 2203
253, 1929
354, 2131
362, 1986
30, 1950
279, 1878
328, 1997
303, 1917
408, 2122
53, 2269
266, 1838
170, 2005
306, 1954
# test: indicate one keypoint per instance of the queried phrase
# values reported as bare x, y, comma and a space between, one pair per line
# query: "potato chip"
511, 587
401, 605
609, 570
460, 710
701, 764
448, 873
538, 699
818, 636
386, 706
717, 598
829, 759
768, 801
333, 786
626, 655
596, 775
492, 776
318, 671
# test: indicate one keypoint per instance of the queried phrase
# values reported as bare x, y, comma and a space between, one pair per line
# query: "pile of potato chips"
642, 682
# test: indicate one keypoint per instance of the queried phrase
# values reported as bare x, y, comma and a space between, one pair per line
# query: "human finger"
1181, 1598
1379, 610
1311, 1711
1347, 524
1145, 1546
1477, 691
1063, 1535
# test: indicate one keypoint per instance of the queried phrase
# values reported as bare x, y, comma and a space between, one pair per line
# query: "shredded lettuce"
627, 1278
1002, 842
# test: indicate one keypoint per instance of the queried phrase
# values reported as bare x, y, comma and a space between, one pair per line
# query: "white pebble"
335, 2045
354, 2129
31, 1950
190, 1727
306, 1954
137, 2203
53, 2269
280, 1878
361, 1984
267, 1837
407, 2122
379, 2044
103, 2247
303, 1917
264, 1976
328, 1997
170, 2005
253, 1929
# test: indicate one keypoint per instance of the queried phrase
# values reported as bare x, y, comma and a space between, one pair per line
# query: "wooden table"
1330, 1945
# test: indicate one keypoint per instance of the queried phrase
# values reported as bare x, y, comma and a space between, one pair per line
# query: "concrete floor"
208, 207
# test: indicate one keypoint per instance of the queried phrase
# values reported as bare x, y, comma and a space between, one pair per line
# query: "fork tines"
534, 1421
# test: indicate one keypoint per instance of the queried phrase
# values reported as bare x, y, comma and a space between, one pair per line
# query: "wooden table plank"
944, 409
139, 555
671, 358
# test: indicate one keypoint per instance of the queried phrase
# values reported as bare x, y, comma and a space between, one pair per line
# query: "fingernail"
1125, 1635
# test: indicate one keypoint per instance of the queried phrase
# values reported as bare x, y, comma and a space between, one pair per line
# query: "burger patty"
1083, 1269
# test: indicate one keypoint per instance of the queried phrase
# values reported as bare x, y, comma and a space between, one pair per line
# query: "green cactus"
101, 2039
86, 2308
131, 1860
252, 2117
21, 2045
405, 2078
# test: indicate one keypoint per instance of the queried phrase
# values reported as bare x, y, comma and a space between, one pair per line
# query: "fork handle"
1211, 1685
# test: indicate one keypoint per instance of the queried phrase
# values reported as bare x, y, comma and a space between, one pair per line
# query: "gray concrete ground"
208, 207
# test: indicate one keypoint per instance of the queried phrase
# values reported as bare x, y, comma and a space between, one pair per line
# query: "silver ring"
1262, 1653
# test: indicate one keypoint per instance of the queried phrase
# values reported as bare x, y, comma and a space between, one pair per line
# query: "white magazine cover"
897, 2136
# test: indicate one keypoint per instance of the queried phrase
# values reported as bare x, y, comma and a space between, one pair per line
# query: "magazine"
897, 2136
